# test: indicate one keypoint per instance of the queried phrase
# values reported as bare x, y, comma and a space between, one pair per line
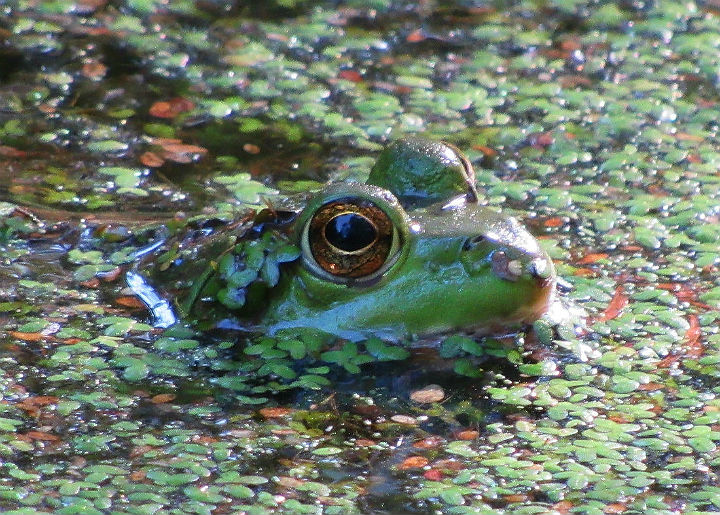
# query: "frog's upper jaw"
460, 268
454, 297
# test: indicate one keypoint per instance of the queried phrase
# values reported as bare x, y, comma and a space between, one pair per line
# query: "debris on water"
430, 393
404, 419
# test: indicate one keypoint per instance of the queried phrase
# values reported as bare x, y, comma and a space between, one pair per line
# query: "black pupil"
350, 232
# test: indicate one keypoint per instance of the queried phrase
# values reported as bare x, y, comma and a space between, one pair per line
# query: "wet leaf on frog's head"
287, 253
270, 272
232, 298
241, 278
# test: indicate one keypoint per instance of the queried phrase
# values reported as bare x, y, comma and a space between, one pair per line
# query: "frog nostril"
539, 268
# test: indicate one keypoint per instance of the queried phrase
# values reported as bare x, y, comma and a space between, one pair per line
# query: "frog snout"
507, 263
511, 266
541, 268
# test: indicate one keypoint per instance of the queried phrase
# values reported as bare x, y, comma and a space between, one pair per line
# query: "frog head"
410, 253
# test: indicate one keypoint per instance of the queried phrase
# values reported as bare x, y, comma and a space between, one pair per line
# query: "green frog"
410, 253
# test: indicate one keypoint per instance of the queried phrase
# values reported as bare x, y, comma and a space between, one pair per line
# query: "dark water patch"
270, 10
11, 60
122, 60
281, 150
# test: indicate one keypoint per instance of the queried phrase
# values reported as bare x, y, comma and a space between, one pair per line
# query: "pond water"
594, 123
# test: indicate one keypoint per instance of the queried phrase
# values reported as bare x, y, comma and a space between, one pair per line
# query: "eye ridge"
355, 263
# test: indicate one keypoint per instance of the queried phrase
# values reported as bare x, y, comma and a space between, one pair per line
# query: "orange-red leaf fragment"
413, 462
163, 398
591, 258
429, 442
433, 475
275, 412
617, 303
151, 159
42, 436
129, 302
468, 435
350, 75
27, 337
7, 151
416, 36
693, 345
171, 108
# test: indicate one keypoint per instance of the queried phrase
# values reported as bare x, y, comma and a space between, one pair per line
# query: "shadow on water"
279, 149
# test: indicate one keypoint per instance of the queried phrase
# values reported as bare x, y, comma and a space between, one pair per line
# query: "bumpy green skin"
460, 266
457, 264
422, 169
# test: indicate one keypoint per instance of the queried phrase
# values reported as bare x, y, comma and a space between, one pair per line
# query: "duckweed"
594, 124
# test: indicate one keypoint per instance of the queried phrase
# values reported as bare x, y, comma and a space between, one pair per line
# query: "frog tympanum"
411, 252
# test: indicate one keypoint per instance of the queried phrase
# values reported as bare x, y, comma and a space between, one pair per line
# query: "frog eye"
350, 239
